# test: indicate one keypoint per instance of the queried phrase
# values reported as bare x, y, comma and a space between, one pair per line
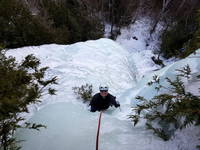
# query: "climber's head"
103, 90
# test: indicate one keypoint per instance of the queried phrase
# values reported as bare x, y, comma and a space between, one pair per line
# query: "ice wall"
69, 123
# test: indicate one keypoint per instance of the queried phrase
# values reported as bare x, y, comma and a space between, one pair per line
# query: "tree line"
173, 108
21, 84
179, 16
39, 22
36, 22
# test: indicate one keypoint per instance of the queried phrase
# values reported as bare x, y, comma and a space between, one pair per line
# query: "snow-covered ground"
69, 123
141, 46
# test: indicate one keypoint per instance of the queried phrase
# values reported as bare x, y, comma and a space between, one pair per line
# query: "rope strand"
99, 125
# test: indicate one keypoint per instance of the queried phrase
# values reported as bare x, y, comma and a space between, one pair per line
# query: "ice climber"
103, 99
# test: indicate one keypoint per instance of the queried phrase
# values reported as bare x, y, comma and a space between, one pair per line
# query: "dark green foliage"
84, 92
194, 42
122, 11
169, 111
182, 38
158, 131
185, 72
73, 19
119, 13
20, 85
34, 126
56, 22
20, 28
174, 39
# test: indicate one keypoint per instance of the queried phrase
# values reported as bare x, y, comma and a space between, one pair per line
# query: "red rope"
97, 139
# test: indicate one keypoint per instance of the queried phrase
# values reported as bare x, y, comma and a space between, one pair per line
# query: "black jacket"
99, 103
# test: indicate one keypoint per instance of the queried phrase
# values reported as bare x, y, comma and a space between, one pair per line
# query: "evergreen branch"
176, 109
184, 72
34, 126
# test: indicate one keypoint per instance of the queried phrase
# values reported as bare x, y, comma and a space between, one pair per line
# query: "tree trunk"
161, 14
111, 16
165, 5
180, 6
155, 23
5, 137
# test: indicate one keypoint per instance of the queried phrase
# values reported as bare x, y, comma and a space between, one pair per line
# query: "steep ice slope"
69, 123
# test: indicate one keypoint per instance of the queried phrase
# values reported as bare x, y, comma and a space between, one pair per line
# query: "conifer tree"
21, 84
84, 92
167, 112
193, 43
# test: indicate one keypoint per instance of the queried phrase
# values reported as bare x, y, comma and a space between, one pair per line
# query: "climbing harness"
99, 125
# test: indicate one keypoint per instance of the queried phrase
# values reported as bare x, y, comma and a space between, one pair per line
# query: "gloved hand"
117, 104
92, 109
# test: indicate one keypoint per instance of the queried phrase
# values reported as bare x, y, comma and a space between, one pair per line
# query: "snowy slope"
92, 62
70, 124
141, 47
188, 138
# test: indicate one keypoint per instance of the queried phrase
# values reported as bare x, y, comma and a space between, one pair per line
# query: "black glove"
117, 104
92, 109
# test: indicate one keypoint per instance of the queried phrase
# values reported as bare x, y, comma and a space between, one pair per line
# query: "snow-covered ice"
69, 123
141, 46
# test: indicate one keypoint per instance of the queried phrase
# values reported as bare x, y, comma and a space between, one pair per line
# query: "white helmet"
103, 87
